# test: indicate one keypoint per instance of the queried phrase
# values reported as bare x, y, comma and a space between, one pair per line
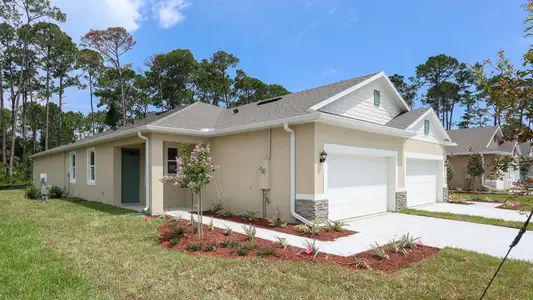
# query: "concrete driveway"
487, 239
487, 210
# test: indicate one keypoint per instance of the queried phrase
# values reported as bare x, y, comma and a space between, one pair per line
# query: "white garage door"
357, 185
421, 181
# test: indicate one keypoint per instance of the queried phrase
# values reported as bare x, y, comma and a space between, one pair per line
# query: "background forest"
38, 62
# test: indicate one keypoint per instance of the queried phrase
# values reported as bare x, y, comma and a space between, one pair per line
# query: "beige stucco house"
379, 155
489, 143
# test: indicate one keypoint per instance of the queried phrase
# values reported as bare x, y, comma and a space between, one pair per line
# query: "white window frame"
71, 166
89, 181
168, 159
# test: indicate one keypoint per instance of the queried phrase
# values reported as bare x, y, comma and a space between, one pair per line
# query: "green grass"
466, 218
95, 251
526, 202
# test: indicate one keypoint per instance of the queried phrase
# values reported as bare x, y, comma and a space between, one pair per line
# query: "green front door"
131, 174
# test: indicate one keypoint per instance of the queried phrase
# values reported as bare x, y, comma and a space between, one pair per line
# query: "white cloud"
330, 72
169, 12
83, 15
309, 4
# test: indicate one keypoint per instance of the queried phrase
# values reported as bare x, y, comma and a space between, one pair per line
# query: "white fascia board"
345, 92
499, 129
353, 150
442, 143
396, 92
424, 115
424, 156
362, 125
480, 153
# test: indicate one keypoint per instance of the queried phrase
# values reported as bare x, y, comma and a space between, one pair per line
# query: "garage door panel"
357, 185
421, 181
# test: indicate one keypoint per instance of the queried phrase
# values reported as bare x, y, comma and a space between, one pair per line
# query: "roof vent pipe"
146, 170
293, 175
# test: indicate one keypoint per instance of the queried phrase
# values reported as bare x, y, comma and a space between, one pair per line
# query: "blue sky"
306, 43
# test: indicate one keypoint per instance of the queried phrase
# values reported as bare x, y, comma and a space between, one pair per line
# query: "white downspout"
293, 175
146, 170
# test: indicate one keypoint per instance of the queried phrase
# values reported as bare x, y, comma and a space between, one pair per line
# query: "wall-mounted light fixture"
262, 169
323, 156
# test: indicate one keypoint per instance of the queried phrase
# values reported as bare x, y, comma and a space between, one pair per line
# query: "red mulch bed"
509, 208
324, 235
395, 263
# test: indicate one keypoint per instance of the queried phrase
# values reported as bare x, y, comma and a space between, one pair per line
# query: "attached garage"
423, 180
358, 184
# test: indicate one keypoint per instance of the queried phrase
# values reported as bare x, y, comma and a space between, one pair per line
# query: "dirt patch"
277, 252
324, 235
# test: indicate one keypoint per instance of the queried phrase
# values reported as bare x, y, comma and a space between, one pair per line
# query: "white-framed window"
172, 164
426, 127
377, 97
72, 166
91, 167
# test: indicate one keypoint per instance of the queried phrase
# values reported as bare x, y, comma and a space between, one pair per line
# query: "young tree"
92, 64
407, 89
475, 168
194, 173
64, 63
111, 44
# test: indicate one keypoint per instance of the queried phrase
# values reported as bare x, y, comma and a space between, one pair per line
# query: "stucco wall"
107, 188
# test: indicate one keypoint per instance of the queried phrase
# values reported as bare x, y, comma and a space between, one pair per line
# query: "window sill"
73, 181
93, 182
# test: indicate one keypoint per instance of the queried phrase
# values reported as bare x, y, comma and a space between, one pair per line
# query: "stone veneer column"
445, 194
313, 209
401, 200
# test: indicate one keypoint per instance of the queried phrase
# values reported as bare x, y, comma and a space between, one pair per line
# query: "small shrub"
228, 244
311, 248
250, 231
397, 247
55, 192
510, 205
408, 241
337, 226
303, 228
277, 222
241, 251
192, 247
32, 192
283, 243
266, 251
210, 247
250, 246
216, 208
174, 241
381, 251
228, 231
226, 213
360, 263
250, 215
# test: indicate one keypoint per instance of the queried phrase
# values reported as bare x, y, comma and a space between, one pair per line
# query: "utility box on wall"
264, 177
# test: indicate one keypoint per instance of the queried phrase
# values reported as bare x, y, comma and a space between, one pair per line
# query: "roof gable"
473, 139
436, 133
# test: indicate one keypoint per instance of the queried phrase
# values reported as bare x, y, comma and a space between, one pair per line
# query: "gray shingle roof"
526, 148
200, 115
507, 147
475, 139
403, 120
290, 105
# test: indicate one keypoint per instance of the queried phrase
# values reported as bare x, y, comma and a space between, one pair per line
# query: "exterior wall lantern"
323, 156
262, 170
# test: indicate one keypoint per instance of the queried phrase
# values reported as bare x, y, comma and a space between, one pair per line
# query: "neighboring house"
527, 151
490, 144
379, 155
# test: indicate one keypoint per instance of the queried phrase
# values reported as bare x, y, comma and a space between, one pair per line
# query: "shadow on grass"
106, 208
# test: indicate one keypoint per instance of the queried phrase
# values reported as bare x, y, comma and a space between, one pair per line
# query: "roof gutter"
146, 170
363, 126
483, 153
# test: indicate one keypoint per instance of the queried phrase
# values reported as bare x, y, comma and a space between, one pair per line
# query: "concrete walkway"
486, 210
487, 239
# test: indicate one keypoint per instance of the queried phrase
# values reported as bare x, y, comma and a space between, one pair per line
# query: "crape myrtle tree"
194, 173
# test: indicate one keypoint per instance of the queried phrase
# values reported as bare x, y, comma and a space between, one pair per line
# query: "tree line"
38, 62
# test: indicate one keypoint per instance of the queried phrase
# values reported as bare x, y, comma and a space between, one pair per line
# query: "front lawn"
526, 202
466, 218
83, 250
